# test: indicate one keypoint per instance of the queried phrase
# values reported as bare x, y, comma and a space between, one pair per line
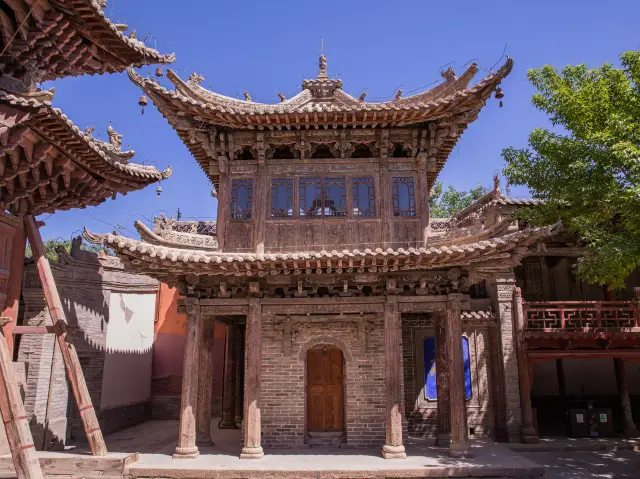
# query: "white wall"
127, 365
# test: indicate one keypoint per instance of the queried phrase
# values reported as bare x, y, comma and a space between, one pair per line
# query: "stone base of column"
443, 440
186, 453
227, 424
204, 441
459, 450
528, 435
393, 452
252, 453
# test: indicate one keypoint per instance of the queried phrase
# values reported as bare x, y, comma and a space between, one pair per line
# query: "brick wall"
422, 413
85, 283
283, 389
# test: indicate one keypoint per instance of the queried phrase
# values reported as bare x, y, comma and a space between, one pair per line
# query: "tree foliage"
587, 169
446, 203
51, 247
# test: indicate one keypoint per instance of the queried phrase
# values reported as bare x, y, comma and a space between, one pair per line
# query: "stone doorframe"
346, 376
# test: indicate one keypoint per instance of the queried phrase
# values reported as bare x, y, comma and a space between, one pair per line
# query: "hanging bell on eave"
143, 102
159, 72
158, 191
499, 95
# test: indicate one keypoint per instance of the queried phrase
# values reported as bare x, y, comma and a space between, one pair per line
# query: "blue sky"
270, 47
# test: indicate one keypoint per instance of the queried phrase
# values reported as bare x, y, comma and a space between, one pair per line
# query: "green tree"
446, 203
586, 169
51, 247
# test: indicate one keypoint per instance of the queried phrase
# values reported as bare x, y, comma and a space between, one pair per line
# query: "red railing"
581, 315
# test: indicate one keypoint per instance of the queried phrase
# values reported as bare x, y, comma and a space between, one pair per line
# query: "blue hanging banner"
467, 367
430, 388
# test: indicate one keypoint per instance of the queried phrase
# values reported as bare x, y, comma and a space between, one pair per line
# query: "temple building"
324, 252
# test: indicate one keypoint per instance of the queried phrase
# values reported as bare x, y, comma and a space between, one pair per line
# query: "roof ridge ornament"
322, 73
449, 75
195, 79
115, 139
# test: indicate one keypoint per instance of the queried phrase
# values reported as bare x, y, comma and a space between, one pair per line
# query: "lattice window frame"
236, 213
410, 182
276, 184
356, 202
323, 185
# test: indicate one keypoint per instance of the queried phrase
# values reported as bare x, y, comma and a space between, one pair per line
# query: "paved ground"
587, 465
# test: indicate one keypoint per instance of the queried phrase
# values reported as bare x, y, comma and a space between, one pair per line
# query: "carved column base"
204, 441
227, 424
443, 440
459, 450
528, 435
393, 452
252, 453
186, 453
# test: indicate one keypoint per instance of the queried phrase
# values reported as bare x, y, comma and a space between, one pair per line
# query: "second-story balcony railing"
580, 315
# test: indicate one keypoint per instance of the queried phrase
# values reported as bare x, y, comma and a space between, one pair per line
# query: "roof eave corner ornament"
93, 238
115, 139
166, 173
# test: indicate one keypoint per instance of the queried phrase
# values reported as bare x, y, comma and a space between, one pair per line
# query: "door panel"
325, 390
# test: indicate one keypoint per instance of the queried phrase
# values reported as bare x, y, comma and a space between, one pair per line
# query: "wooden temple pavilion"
48, 164
324, 250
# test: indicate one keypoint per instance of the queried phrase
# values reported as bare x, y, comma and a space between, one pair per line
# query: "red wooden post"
252, 431
16, 268
186, 448
442, 371
393, 447
628, 425
15, 421
528, 433
205, 382
69, 353
459, 445
228, 420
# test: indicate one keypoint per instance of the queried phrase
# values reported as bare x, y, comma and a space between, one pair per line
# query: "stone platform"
144, 451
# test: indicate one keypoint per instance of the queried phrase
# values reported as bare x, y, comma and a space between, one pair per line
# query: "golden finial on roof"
398, 94
247, 97
282, 97
449, 75
322, 74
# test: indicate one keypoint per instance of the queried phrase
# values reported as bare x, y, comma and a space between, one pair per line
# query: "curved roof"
321, 103
160, 261
50, 39
50, 162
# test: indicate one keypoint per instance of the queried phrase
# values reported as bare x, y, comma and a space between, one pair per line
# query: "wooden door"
325, 390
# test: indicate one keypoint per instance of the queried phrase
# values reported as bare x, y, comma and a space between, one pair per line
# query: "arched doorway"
325, 394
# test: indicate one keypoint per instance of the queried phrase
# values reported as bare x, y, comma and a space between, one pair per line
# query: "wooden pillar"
497, 387
628, 425
252, 429
442, 378
65, 341
205, 382
260, 201
459, 445
23, 451
16, 268
187, 448
393, 447
528, 433
239, 372
228, 420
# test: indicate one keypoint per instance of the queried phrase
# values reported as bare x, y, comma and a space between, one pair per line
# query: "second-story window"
281, 198
363, 196
404, 199
323, 197
241, 199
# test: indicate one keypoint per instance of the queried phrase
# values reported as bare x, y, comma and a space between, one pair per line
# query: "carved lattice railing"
439, 225
580, 315
195, 227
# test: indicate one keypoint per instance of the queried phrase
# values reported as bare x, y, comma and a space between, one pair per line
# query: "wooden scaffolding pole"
65, 341
15, 421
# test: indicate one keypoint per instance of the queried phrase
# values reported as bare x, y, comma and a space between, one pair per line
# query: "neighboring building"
110, 315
